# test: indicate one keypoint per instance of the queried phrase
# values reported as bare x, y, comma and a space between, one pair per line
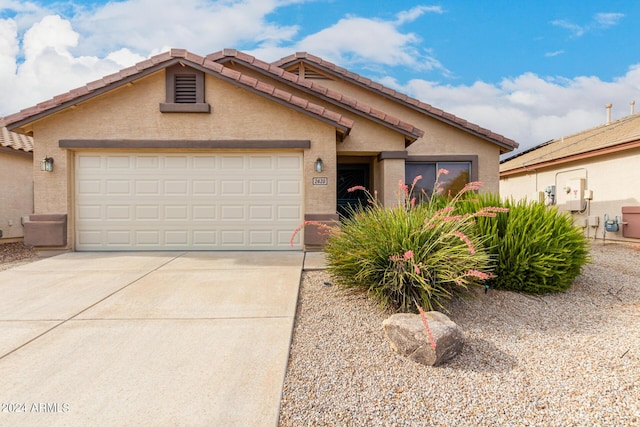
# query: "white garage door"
226, 201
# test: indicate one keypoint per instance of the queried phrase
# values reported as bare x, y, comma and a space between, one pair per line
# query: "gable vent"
307, 73
185, 89
312, 74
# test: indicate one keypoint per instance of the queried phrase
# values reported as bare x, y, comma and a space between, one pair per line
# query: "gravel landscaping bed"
570, 359
15, 254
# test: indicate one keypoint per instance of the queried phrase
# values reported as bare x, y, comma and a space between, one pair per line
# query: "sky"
529, 70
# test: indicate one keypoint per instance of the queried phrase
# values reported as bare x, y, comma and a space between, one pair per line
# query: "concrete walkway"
131, 339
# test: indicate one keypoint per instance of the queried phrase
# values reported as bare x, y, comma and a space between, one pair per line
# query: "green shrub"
538, 249
408, 255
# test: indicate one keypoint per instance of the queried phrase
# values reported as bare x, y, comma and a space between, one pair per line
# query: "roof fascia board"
189, 144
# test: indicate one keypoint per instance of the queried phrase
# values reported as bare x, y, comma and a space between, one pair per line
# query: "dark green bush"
538, 249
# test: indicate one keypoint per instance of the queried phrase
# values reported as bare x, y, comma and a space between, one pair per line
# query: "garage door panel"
147, 187
198, 201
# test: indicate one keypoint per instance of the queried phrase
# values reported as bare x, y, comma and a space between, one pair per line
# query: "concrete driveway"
131, 339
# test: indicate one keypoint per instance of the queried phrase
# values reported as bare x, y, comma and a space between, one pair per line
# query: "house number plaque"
320, 180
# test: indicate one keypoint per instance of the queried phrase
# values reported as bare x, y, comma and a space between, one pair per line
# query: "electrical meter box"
575, 195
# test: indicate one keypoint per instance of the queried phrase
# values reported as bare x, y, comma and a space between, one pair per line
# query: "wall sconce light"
46, 164
319, 165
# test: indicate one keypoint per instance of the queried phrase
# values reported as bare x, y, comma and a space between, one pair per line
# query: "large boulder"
409, 337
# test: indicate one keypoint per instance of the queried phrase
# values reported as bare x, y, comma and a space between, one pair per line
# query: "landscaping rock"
410, 338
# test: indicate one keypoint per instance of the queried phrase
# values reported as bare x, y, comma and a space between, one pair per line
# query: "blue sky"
530, 70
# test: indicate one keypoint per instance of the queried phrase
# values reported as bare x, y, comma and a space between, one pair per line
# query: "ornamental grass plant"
411, 254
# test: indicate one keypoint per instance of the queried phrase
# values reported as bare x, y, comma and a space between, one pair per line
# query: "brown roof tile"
278, 93
216, 69
614, 135
338, 97
377, 87
15, 141
196, 59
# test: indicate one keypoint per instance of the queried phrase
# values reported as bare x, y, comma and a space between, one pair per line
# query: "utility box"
594, 221
575, 194
631, 221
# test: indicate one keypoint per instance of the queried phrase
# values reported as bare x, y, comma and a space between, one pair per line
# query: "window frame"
455, 158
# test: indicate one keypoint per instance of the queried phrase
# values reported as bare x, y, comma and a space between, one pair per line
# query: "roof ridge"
150, 63
338, 97
386, 91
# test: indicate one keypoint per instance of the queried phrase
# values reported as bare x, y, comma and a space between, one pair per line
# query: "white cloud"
366, 42
529, 108
42, 54
552, 54
8, 47
599, 20
416, 12
577, 30
48, 67
199, 25
606, 20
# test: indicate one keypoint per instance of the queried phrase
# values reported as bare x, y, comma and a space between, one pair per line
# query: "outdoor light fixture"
46, 164
319, 165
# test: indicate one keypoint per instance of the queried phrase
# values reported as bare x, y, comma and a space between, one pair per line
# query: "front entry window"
458, 176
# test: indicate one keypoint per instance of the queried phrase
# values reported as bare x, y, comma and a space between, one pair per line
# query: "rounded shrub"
537, 248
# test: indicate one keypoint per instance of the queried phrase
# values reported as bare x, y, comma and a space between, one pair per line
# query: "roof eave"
628, 145
343, 125
82, 98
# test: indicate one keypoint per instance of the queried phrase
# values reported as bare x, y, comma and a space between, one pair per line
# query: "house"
16, 176
184, 152
592, 174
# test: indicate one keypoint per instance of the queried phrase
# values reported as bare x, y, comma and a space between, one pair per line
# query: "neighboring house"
229, 152
16, 178
593, 174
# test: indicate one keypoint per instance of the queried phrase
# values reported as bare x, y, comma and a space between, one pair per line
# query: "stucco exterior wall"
439, 139
16, 193
132, 112
612, 178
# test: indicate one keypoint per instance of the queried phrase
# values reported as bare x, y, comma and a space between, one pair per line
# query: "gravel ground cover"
15, 254
570, 359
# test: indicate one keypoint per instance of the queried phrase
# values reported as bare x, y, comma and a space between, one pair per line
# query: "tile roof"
618, 134
15, 141
504, 142
164, 60
336, 98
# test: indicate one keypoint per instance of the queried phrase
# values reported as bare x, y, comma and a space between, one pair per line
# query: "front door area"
351, 175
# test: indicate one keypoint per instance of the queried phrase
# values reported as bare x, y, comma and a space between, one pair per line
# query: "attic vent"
312, 74
307, 73
186, 89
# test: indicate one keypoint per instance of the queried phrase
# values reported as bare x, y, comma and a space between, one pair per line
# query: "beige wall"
613, 179
439, 139
132, 112
16, 193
